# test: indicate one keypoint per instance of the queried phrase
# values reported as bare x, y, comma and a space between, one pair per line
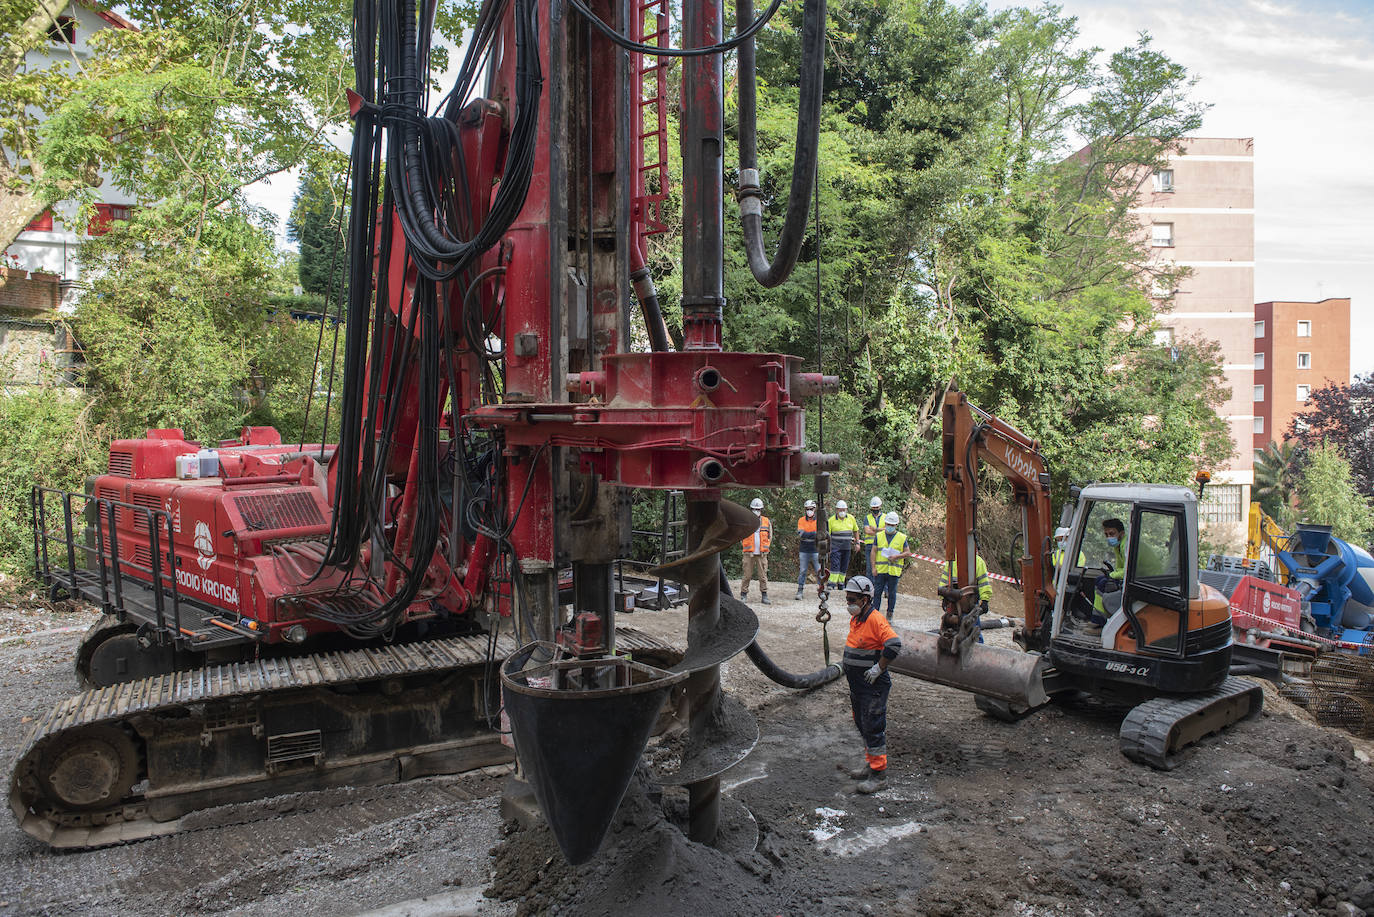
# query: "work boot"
873, 784
862, 772
765, 599
743, 596
799, 596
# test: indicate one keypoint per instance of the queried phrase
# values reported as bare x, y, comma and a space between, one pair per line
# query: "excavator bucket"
580, 727
1006, 675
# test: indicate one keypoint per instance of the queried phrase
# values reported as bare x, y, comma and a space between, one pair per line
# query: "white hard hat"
810, 504
891, 519
756, 503
1061, 532
840, 504
875, 503
860, 584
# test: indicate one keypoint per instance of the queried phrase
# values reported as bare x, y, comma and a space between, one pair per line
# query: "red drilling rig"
289, 616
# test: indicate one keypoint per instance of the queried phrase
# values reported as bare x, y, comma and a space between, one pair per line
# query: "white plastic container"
209, 463
188, 466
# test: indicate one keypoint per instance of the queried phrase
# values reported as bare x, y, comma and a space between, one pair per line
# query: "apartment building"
1199, 212
1299, 347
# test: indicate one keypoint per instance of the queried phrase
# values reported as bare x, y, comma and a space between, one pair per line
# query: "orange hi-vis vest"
806, 534
870, 636
758, 542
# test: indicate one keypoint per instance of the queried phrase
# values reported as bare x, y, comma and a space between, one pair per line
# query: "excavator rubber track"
1159, 730
133, 760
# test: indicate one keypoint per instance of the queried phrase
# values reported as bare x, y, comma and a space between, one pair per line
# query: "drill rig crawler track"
129, 761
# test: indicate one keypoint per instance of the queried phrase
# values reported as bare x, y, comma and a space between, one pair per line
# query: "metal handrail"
109, 565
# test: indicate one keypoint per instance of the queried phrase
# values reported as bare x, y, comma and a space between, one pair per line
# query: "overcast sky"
1298, 77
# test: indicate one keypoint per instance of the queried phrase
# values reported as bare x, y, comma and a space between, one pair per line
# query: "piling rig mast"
493, 418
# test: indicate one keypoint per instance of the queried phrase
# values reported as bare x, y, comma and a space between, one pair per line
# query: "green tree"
180, 330
195, 103
1278, 469
50, 441
963, 238
317, 224
1327, 495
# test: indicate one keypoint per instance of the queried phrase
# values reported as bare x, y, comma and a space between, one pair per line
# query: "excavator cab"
1134, 617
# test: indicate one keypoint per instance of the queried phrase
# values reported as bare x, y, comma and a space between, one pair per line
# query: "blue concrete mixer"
1336, 578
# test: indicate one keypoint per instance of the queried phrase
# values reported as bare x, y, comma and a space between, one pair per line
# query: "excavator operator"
1108, 597
870, 646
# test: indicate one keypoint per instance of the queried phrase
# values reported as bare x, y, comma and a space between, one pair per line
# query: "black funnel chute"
580, 727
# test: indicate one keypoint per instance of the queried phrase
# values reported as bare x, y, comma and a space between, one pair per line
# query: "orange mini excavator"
1128, 624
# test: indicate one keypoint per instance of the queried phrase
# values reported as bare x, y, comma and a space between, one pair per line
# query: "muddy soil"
1043, 817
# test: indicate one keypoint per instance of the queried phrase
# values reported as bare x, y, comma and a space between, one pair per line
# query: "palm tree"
1277, 469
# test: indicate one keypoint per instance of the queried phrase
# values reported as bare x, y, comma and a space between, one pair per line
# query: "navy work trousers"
885, 584
869, 703
839, 564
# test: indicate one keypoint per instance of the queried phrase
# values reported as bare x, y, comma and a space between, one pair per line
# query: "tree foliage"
1278, 470
317, 225
200, 100
962, 237
1328, 495
187, 332
1344, 415
50, 441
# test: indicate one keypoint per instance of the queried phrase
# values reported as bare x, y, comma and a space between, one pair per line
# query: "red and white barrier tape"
940, 562
1236, 609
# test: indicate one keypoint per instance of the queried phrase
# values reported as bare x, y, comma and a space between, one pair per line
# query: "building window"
1300, 425
1259, 361
1259, 393
1220, 503
1304, 360
1304, 329
63, 31
1164, 337
41, 223
104, 215
1303, 392
1259, 426
1259, 329
1164, 180
1162, 235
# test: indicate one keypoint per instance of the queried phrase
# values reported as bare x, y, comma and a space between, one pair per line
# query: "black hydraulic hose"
790, 679
768, 667
653, 312
645, 292
811, 83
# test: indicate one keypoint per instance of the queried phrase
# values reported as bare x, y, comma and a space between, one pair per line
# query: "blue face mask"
890, 529
1113, 540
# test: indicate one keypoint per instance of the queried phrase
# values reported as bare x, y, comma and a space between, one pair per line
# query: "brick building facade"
1299, 347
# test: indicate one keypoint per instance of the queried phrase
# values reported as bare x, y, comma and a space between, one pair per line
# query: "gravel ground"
1043, 817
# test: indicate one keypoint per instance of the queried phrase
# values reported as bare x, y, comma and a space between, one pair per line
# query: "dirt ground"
1044, 817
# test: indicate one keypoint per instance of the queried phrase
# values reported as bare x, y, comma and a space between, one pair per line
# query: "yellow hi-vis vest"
892, 566
980, 571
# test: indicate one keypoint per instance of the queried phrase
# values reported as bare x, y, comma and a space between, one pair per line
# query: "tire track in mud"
265, 847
